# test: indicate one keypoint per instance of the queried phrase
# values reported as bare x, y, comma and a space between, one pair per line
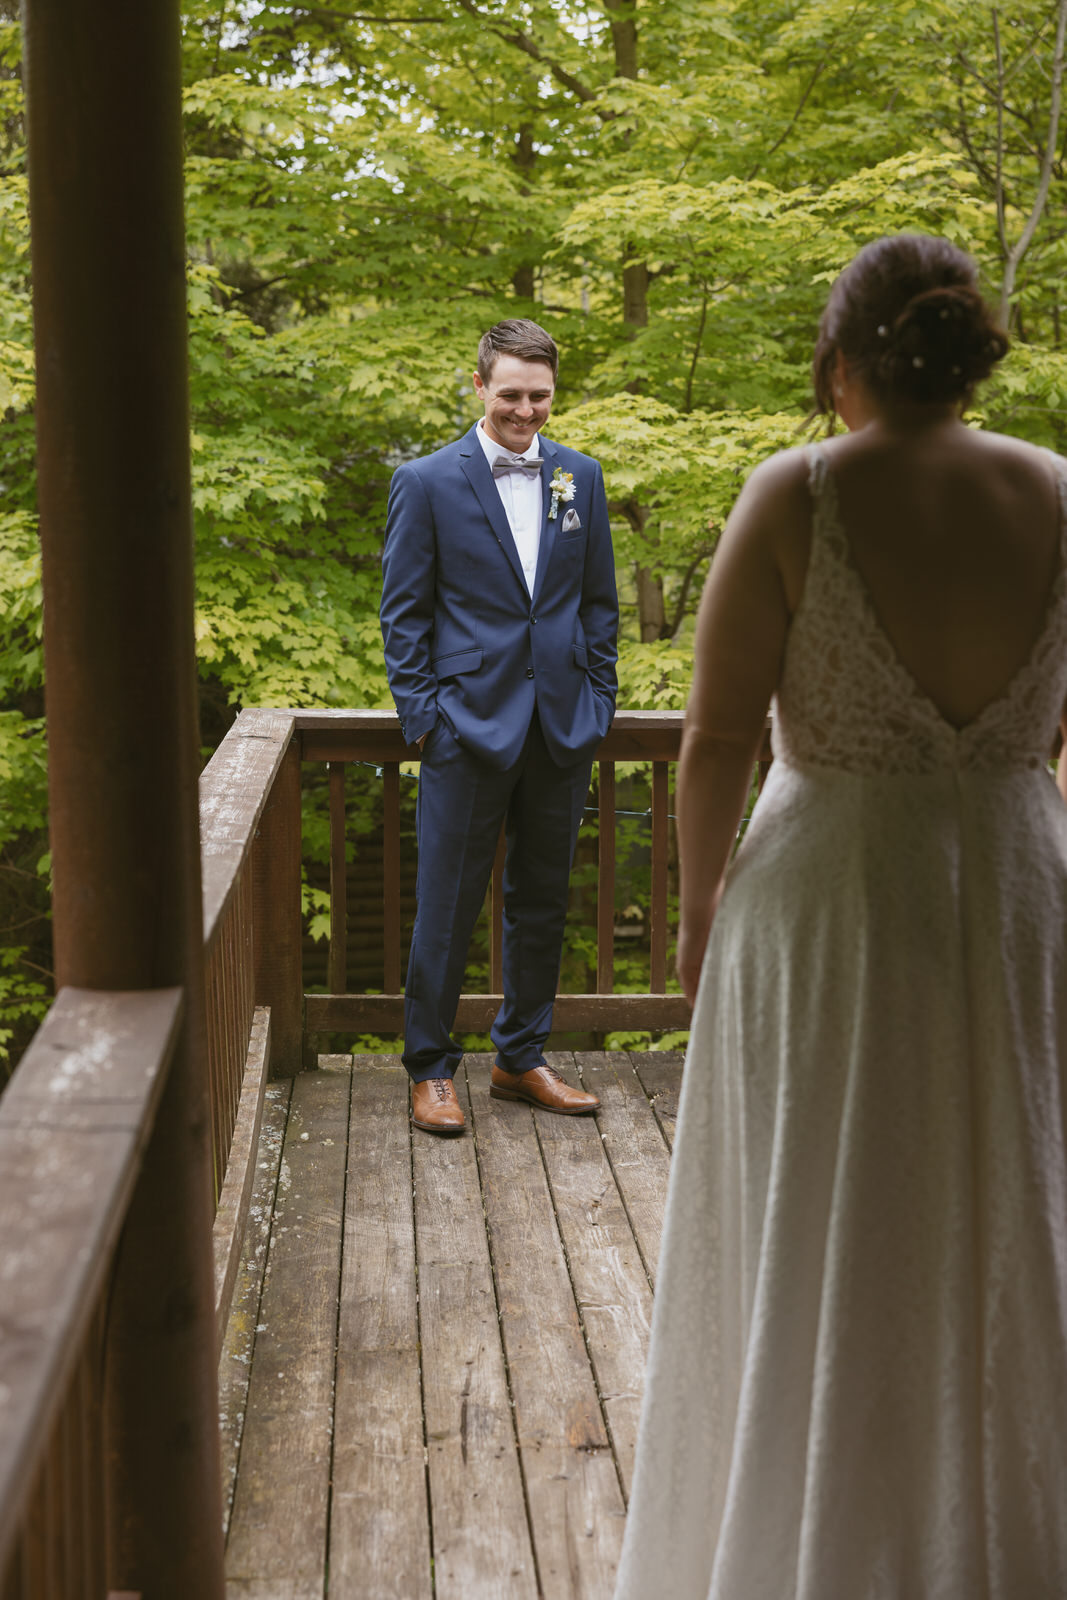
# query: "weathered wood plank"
634, 1144
660, 1075
375, 736
277, 1543
481, 1541
276, 920
234, 787
379, 1520
74, 1123
610, 1283
235, 1363
572, 1488
231, 1213
383, 1013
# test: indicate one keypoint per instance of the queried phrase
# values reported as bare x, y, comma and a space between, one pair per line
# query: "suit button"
529, 672
532, 621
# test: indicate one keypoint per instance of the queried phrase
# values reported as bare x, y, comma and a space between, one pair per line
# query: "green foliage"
364, 197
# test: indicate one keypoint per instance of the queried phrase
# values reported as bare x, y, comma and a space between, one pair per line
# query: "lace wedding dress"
857, 1386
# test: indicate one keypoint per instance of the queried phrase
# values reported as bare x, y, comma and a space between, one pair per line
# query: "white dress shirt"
520, 495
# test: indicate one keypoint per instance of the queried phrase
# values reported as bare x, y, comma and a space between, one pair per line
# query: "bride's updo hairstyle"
910, 322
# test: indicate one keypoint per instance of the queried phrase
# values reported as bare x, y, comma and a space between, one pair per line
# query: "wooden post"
103, 81
276, 918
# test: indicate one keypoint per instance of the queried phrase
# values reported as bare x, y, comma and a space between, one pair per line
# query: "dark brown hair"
908, 318
518, 337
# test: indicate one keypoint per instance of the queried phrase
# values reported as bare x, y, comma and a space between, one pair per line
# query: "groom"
500, 618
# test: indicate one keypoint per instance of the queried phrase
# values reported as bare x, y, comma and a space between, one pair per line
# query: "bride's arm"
740, 636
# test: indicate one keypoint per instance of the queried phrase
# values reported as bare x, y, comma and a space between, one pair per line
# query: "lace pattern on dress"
847, 701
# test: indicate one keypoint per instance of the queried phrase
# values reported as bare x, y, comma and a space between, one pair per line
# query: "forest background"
667, 185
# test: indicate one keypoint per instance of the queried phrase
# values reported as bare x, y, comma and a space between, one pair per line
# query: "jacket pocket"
581, 658
448, 666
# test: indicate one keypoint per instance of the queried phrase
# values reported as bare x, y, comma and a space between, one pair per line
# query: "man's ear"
479, 386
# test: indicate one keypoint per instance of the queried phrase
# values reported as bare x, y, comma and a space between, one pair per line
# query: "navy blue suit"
515, 691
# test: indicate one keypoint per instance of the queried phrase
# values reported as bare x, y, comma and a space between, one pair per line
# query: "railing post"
276, 917
103, 81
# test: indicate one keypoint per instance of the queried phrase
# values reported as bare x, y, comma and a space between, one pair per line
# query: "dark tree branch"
1001, 226
683, 594
697, 347
820, 67
523, 41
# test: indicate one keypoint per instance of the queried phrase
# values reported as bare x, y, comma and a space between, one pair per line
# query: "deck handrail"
74, 1124
77, 1114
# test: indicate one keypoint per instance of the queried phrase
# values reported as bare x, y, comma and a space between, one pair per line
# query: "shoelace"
441, 1087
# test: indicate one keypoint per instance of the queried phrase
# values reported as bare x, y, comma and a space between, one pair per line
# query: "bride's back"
956, 535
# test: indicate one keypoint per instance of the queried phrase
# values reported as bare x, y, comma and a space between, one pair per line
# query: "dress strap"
823, 491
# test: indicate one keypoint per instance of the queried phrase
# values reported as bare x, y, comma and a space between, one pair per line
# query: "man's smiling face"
517, 400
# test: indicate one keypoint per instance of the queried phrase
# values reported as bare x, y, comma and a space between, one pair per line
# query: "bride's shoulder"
776, 494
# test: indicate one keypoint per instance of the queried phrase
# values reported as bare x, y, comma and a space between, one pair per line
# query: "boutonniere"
562, 487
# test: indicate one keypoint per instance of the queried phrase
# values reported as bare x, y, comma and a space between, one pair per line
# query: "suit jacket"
464, 638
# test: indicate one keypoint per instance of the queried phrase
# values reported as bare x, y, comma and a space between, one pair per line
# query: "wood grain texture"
572, 1489
610, 1283
231, 1214
383, 1013
277, 1542
481, 1541
605, 879
379, 1520
338, 958
660, 1075
234, 787
235, 1362
634, 1145
277, 927
375, 736
74, 1123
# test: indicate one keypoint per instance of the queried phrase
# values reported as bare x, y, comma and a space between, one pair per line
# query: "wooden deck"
431, 1379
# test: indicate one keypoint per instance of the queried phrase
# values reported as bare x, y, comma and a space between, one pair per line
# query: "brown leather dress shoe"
541, 1086
434, 1106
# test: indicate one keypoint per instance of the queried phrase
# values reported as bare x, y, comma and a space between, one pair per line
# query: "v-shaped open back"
847, 700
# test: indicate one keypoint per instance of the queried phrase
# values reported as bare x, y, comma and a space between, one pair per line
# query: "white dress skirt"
857, 1383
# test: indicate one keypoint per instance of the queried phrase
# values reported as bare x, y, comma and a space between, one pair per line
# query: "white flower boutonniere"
562, 487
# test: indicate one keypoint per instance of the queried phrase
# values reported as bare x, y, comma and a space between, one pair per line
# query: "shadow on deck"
432, 1372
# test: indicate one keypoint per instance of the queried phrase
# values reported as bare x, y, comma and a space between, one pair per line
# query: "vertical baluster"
605, 880
214, 1063
496, 918
391, 875
337, 978
93, 1447
277, 919
660, 807
70, 1489
226, 1028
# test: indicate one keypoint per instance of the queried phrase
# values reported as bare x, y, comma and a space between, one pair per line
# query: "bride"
857, 1383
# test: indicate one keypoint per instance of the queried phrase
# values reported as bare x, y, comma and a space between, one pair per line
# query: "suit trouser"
462, 802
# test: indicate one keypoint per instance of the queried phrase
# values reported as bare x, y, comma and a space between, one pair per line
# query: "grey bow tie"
529, 469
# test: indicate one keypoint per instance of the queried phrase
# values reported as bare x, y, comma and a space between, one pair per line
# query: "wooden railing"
75, 1121
78, 1113
339, 738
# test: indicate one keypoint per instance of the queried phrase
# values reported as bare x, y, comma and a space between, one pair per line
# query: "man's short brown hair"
518, 337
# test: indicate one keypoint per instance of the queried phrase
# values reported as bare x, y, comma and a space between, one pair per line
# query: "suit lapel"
548, 529
480, 477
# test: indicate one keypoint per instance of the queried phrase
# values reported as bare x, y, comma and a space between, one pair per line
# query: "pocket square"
571, 520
